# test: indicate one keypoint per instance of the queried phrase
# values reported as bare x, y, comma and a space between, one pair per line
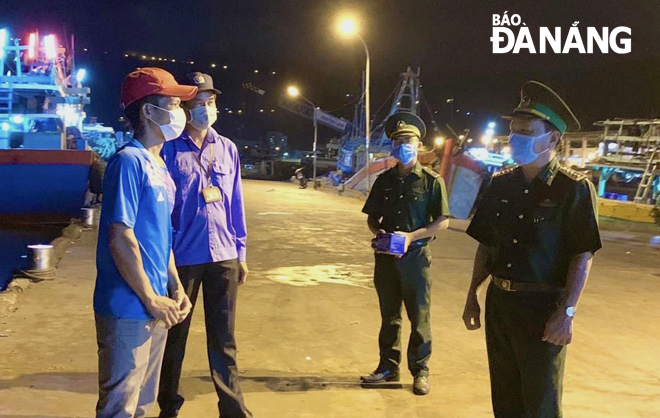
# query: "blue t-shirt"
139, 193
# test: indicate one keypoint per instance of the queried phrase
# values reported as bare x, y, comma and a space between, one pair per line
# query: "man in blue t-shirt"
138, 294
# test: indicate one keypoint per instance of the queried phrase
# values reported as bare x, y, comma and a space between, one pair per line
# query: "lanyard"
199, 161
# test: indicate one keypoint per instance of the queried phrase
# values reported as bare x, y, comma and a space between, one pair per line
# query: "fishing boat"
44, 166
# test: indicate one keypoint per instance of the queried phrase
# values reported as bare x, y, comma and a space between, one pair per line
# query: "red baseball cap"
144, 82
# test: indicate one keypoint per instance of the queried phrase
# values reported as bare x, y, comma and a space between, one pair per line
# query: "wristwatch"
570, 311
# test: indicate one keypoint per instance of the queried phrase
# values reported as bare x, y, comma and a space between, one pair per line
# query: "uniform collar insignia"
548, 174
417, 170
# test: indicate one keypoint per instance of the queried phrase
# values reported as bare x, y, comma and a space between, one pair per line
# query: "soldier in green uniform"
410, 200
537, 228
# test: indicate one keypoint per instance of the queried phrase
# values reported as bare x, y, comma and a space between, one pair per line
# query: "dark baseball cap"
144, 82
203, 82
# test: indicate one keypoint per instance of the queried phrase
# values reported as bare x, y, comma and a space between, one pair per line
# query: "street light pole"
348, 27
294, 92
316, 133
451, 117
367, 130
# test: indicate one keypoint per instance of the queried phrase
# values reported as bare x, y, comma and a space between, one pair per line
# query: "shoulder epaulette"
504, 172
572, 174
431, 172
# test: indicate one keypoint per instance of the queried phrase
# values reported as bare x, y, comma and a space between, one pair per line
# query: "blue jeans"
130, 358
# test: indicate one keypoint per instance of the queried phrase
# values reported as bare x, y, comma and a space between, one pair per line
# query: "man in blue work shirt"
209, 247
138, 294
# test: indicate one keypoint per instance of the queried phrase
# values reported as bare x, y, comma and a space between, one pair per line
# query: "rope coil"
37, 275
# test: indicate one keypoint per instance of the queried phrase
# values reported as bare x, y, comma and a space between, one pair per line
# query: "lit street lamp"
293, 91
348, 28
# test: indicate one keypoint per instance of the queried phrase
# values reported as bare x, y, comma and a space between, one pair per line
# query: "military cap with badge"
538, 101
404, 123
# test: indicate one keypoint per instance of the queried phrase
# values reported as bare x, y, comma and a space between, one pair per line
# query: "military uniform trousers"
404, 280
526, 373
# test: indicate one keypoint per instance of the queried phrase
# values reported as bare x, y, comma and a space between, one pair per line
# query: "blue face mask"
522, 147
404, 153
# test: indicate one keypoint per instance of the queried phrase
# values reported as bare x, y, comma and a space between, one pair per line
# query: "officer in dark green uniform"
410, 200
538, 231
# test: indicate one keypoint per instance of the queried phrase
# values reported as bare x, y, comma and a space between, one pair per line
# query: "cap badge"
199, 79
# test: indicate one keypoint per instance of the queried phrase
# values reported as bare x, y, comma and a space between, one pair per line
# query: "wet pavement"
308, 323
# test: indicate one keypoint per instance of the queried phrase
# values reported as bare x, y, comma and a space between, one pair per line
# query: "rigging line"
377, 128
357, 99
387, 100
426, 103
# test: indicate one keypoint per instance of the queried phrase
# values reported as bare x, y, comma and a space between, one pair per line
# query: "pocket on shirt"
221, 176
545, 213
419, 196
184, 168
547, 228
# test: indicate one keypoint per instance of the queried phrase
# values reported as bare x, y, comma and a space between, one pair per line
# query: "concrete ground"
308, 322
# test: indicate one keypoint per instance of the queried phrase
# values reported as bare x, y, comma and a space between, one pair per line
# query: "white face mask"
203, 117
175, 128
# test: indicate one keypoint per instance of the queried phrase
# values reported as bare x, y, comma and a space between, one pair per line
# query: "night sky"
296, 39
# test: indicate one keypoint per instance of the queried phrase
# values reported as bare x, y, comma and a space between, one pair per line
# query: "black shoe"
244, 414
421, 386
381, 376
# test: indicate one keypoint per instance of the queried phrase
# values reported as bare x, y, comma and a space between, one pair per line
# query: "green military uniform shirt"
536, 228
407, 204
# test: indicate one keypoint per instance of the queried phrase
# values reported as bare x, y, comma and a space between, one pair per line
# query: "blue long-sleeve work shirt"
206, 232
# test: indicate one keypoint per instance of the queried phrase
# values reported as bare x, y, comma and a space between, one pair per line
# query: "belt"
513, 286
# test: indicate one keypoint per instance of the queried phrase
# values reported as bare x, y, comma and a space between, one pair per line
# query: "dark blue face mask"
405, 153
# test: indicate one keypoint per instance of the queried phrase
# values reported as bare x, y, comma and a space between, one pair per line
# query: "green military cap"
539, 101
401, 123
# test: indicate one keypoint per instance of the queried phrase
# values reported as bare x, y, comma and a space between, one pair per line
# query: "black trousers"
526, 373
220, 285
406, 281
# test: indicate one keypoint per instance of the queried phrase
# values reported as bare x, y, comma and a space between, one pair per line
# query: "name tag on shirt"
211, 194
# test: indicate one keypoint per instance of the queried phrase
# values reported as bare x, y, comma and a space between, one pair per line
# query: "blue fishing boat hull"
43, 182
